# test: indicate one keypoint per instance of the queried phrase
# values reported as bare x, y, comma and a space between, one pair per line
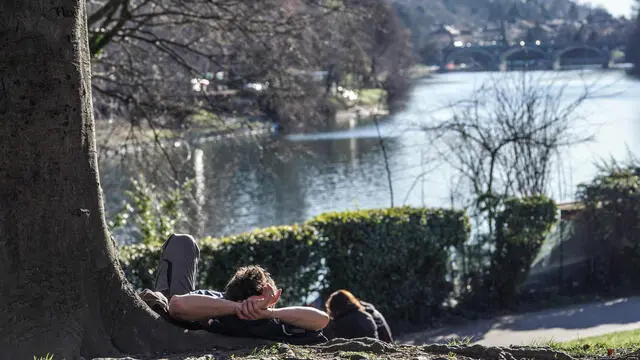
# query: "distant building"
444, 36
599, 16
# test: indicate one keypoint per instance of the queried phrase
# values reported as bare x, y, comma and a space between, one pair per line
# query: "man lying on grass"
246, 307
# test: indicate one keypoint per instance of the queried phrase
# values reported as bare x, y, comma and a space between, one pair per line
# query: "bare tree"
274, 42
505, 138
248, 42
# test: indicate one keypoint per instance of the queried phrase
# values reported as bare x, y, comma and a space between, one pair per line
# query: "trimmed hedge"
139, 263
398, 259
290, 253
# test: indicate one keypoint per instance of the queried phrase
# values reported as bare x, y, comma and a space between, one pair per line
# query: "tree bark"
63, 291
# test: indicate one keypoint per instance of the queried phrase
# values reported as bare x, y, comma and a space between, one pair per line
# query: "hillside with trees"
425, 18
254, 59
478, 12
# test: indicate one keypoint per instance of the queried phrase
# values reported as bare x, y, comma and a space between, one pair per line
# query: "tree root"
500, 353
150, 337
631, 356
368, 345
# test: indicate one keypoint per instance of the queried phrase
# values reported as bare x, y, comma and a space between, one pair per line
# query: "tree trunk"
63, 291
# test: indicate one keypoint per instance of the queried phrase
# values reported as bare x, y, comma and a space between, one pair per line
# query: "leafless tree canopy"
504, 140
146, 51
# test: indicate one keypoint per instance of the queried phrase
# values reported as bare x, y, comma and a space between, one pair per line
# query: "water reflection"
245, 184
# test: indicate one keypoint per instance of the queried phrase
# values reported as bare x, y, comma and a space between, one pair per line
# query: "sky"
616, 7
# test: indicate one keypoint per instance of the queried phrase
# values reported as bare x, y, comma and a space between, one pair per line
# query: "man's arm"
260, 307
192, 307
304, 317
301, 316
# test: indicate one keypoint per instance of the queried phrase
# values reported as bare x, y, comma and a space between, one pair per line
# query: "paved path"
574, 322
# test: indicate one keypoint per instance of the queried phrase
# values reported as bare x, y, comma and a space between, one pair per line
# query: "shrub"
494, 265
396, 258
139, 262
289, 253
151, 215
521, 228
611, 218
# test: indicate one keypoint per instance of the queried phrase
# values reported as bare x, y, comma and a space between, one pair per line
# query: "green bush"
396, 258
290, 253
611, 222
152, 215
494, 265
521, 228
139, 262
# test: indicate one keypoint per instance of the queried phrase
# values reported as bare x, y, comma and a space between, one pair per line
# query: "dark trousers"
176, 273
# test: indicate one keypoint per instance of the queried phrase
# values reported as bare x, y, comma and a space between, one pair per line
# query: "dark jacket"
384, 331
351, 325
269, 329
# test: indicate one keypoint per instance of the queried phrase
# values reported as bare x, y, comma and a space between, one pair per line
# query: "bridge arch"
480, 57
524, 53
581, 55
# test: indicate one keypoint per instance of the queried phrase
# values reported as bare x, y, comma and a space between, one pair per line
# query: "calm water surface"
245, 184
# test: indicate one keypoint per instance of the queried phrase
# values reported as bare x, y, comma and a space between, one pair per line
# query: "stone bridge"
523, 56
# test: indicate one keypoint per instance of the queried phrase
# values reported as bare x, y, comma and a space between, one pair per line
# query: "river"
244, 184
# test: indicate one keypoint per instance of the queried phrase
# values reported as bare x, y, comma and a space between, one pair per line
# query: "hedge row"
397, 258
494, 266
610, 222
290, 253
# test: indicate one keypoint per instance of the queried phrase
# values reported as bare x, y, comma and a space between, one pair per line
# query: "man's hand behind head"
271, 295
257, 307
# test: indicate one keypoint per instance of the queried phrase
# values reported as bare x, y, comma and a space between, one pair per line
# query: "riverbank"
120, 137
372, 103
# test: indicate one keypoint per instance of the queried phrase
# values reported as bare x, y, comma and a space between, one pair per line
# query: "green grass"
46, 357
372, 96
265, 351
623, 343
419, 71
459, 341
354, 354
339, 102
206, 119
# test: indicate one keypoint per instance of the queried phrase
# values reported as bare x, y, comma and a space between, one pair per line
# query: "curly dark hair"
246, 282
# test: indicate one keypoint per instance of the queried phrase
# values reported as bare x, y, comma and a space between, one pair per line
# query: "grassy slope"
623, 343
